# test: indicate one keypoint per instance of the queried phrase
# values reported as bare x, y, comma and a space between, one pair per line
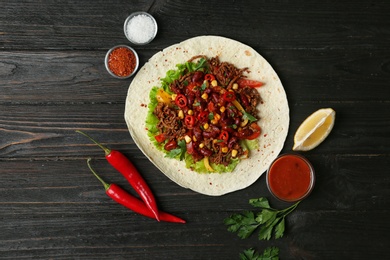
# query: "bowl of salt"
140, 28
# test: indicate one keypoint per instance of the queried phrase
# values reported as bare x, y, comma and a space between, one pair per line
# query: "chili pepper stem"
105, 184
105, 149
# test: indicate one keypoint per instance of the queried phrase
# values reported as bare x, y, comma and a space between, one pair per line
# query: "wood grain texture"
53, 81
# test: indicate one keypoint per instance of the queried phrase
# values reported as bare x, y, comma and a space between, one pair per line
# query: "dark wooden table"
53, 81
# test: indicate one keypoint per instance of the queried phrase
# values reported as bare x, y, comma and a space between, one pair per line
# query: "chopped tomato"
189, 121
160, 138
191, 87
256, 131
229, 96
211, 106
249, 83
181, 100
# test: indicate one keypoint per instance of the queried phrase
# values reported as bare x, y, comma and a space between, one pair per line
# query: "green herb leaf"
260, 203
266, 216
270, 253
179, 151
203, 87
249, 117
244, 224
211, 116
265, 232
279, 229
268, 220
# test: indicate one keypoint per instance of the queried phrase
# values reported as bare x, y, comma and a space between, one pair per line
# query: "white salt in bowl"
140, 28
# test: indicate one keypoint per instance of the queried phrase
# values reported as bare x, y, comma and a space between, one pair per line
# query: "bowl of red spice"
121, 61
290, 177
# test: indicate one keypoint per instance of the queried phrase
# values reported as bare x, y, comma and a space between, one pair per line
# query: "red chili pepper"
122, 197
127, 169
209, 77
229, 96
189, 121
224, 136
181, 100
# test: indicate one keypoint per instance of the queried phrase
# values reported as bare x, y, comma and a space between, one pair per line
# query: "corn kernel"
205, 96
234, 153
201, 145
222, 109
190, 112
174, 96
215, 141
188, 139
235, 86
225, 149
194, 139
214, 83
180, 114
214, 121
206, 126
217, 116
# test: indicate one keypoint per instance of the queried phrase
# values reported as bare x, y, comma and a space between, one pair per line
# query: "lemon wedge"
314, 129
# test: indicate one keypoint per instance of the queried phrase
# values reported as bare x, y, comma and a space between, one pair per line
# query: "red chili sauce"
290, 178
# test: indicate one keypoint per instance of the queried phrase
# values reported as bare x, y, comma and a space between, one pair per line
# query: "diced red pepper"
181, 100
160, 138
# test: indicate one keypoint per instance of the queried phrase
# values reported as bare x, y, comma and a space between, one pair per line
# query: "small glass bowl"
304, 193
108, 56
131, 39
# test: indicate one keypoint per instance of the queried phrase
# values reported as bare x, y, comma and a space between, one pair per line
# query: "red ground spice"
121, 61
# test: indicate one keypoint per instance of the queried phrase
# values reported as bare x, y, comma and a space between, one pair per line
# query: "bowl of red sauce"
290, 177
121, 61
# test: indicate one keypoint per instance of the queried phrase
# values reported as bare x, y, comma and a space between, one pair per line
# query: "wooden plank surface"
53, 81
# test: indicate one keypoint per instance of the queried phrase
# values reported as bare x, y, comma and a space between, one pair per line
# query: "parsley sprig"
179, 151
268, 220
270, 253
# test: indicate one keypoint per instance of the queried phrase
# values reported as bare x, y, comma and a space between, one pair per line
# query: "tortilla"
273, 111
